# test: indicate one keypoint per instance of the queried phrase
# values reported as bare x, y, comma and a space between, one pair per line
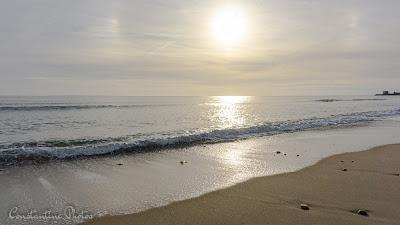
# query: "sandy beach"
333, 189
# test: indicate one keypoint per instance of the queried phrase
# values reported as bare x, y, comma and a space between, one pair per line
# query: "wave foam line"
71, 107
115, 146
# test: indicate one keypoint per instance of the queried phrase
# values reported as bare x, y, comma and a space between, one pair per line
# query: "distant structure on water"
388, 93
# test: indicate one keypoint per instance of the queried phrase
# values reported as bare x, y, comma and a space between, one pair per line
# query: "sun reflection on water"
229, 110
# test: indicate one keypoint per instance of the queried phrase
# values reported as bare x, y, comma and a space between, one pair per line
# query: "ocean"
34, 129
157, 150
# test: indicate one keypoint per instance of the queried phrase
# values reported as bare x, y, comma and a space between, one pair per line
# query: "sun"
229, 26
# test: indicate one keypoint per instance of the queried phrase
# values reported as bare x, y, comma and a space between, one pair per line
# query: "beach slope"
333, 189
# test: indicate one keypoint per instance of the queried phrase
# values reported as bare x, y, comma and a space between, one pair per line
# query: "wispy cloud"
141, 47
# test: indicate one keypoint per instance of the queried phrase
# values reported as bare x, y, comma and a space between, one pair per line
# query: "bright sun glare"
229, 26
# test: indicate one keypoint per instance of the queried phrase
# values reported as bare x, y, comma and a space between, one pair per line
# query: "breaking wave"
69, 107
69, 149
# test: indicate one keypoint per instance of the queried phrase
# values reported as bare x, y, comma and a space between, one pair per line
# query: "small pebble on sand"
119, 164
278, 152
344, 169
304, 207
362, 212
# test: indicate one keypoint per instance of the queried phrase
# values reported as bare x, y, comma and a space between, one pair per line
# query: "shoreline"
334, 189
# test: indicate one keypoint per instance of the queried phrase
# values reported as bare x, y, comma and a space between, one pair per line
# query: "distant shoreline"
387, 95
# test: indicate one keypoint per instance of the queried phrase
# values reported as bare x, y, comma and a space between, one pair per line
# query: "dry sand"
371, 183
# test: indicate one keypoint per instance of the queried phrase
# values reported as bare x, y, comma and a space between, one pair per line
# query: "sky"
169, 48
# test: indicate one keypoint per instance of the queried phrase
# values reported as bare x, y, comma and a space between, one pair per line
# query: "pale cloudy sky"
148, 47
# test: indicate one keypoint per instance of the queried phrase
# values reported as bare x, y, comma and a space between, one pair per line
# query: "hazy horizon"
192, 48
77, 95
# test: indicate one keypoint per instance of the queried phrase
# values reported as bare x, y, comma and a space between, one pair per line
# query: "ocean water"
46, 128
225, 140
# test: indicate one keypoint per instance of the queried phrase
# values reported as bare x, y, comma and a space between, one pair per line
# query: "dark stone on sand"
304, 207
362, 212
284, 154
344, 169
352, 161
278, 152
394, 174
297, 155
183, 162
341, 161
119, 164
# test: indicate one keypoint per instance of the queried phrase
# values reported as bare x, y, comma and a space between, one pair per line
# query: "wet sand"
333, 189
